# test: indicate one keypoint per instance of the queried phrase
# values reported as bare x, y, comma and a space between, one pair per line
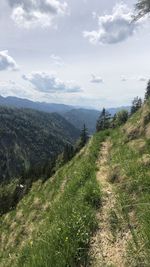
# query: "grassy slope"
130, 171
52, 225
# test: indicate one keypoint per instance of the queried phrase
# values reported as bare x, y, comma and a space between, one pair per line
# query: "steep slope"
74, 219
123, 235
52, 225
31, 139
130, 171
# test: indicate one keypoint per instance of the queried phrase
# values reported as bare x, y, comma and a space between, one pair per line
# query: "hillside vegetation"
74, 115
129, 171
95, 211
52, 225
31, 139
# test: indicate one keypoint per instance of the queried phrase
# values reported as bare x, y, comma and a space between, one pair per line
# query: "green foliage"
147, 93
136, 105
30, 139
114, 223
82, 140
63, 230
121, 117
65, 156
134, 192
84, 136
7, 196
103, 121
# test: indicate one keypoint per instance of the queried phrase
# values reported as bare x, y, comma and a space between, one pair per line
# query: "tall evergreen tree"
147, 94
84, 136
103, 121
136, 104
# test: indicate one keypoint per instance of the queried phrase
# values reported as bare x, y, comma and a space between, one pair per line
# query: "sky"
86, 53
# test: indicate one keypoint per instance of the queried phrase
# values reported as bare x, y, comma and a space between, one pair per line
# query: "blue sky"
78, 52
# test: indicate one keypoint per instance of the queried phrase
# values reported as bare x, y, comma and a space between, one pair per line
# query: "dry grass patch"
147, 131
138, 145
145, 160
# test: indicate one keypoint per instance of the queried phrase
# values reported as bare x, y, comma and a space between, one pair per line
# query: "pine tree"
83, 136
68, 153
136, 104
147, 94
103, 121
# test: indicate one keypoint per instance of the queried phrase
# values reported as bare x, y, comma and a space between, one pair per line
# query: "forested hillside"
31, 139
94, 211
75, 115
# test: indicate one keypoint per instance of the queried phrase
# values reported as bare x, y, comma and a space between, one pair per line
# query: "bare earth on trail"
104, 249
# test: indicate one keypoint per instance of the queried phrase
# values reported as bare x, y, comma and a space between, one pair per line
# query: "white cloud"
142, 79
96, 79
124, 79
31, 13
57, 60
11, 88
113, 28
7, 62
49, 83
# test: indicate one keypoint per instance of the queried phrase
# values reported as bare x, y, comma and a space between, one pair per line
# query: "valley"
91, 210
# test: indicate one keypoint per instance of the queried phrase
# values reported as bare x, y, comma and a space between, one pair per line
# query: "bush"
121, 117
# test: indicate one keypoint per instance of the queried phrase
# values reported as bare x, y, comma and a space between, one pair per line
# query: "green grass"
134, 195
52, 225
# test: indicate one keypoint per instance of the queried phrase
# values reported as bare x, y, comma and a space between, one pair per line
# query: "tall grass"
65, 228
134, 195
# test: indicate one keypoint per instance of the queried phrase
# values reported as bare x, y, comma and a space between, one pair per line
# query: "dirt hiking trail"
104, 249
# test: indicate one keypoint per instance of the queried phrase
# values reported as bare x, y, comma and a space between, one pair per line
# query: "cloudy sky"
80, 52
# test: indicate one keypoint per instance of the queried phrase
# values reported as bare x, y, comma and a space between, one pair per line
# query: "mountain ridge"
77, 116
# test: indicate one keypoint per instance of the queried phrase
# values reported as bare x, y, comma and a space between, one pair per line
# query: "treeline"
105, 121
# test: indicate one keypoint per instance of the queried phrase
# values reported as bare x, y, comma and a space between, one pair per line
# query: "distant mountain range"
76, 116
89, 117
11, 101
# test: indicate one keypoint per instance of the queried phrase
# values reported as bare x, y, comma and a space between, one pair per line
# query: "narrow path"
104, 250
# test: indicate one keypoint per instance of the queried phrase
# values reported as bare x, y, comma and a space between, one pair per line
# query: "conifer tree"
147, 94
103, 121
84, 136
136, 104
